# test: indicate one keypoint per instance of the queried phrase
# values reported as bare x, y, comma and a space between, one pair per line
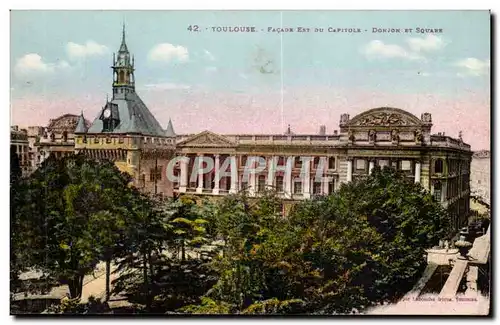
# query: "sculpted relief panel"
361, 136
383, 118
407, 136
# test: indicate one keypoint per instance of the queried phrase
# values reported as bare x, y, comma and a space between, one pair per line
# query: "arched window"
121, 79
438, 166
65, 136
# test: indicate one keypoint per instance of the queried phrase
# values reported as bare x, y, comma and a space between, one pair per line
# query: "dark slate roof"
135, 117
81, 127
170, 129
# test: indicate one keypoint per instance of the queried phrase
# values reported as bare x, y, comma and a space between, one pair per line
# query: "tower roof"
123, 46
81, 127
170, 129
135, 117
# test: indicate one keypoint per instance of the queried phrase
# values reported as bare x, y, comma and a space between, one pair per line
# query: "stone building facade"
57, 139
481, 175
19, 143
378, 137
126, 132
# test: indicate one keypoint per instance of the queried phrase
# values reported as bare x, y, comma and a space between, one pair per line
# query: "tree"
155, 236
16, 187
360, 246
60, 211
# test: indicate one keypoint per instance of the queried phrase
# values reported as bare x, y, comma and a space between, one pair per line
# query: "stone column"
325, 184
349, 169
306, 180
217, 175
371, 166
251, 182
270, 172
184, 175
199, 189
234, 175
417, 171
288, 177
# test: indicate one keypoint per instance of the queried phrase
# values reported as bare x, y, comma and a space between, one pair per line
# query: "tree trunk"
183, 250
108, 278
146, 285
76, 286
151, 269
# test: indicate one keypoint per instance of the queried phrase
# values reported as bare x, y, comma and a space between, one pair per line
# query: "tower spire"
123, 47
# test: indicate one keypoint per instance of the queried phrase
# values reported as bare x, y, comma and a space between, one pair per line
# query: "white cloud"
211, 69
377, 49
168, 52
91, 48
209, 55
166, 86
243, 76
33, 63
426, 44
473, 66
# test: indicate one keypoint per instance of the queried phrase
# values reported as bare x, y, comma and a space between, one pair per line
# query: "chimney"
322, 130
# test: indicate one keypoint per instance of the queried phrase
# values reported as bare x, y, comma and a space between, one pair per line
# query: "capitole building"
126, 132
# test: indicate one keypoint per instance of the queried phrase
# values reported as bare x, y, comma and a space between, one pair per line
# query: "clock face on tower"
107, 113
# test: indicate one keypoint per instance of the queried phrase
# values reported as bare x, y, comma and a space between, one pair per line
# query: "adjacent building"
480, 175
19, 142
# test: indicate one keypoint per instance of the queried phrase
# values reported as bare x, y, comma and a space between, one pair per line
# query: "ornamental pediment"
383, 117
207, 139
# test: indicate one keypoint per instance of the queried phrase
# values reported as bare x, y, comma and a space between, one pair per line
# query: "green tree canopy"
60, 216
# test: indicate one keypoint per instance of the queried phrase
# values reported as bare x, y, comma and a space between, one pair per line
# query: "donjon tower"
126, 132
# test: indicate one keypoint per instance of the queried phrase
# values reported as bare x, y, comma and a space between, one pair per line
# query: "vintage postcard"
316, 163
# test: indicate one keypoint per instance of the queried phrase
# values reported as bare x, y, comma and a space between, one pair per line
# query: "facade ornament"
395, 136
380, 119
372, 136
344, 118
426, 118
351, 135
419, 137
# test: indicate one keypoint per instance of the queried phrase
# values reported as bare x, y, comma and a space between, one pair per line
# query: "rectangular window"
331, 186
315, 162
297, 186
383, 163
360, 164
279, 184
243, 161
155, 174
298, 162
405, 165
261, 186
317, 188
331, 163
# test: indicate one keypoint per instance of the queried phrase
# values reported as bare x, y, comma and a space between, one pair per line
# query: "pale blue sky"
447, 66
